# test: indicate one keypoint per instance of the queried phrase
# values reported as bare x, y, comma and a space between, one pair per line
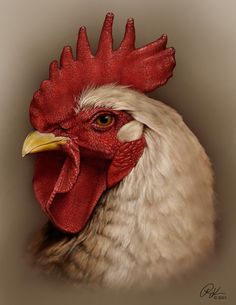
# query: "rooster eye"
104, 120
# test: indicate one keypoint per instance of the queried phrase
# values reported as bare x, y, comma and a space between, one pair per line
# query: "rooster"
126, 185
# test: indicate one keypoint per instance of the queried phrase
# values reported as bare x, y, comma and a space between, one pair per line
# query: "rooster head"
86, 142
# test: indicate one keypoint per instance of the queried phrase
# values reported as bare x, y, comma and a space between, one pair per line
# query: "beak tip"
23, 153
24, 150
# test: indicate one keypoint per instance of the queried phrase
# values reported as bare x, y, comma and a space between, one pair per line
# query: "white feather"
157, 224
130, 132
162, 224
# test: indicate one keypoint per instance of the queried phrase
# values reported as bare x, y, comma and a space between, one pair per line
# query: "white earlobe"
130, 132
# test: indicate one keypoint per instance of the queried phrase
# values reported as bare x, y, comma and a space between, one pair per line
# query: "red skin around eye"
69, 184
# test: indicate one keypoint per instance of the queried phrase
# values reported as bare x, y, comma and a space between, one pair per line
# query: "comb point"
66, 56
53, 70
128, 42
83, 50
106, 39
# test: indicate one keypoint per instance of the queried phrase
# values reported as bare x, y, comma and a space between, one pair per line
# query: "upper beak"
36, 142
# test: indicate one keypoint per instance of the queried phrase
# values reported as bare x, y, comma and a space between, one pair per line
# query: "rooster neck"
110, 240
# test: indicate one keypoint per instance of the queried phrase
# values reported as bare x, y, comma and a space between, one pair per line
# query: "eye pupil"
104, 120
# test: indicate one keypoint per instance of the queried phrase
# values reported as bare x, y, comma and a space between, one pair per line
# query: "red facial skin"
69, 183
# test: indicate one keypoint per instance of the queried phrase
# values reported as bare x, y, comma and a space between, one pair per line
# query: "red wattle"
68, 205
70, 211
68, 185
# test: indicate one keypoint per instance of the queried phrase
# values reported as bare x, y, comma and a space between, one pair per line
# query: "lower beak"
36, 142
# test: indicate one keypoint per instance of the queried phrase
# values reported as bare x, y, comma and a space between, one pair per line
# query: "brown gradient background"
202, 90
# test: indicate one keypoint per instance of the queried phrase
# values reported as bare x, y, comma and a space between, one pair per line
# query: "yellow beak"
36, 142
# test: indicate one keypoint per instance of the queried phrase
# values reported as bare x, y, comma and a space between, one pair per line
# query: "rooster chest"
111, 254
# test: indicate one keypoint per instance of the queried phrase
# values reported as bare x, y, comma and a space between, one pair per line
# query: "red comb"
143, 69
